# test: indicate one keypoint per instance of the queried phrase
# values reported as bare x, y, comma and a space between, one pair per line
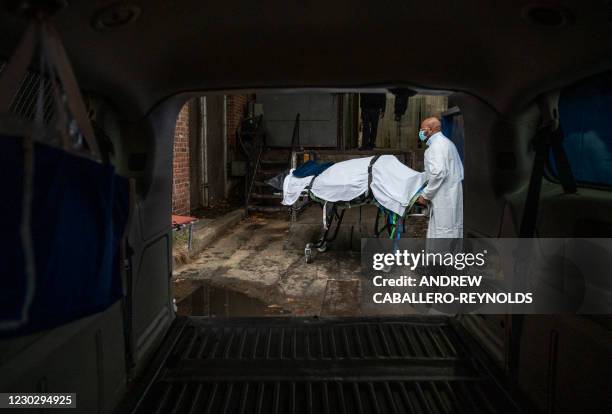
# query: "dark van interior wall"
150, 236
92, 356
482, 206
498, 163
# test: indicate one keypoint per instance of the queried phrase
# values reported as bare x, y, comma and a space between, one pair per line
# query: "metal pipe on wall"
203, 153
225, 186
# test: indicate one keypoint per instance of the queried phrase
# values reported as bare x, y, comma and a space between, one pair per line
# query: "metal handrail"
253, 175
258, 145
295, 137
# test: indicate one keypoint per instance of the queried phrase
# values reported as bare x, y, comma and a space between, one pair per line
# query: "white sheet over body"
293, 187
393, 183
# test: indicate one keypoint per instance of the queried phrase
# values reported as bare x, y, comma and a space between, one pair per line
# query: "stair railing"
258, 145
295, 137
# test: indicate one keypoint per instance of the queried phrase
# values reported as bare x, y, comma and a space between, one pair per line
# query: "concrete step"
274, 162
267, 209
277, 154
206, 232
266, 196
268, 172
263, 185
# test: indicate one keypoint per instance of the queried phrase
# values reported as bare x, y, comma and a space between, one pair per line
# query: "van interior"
506, 66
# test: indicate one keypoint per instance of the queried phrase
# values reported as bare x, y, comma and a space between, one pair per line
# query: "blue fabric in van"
79, 212
585, 110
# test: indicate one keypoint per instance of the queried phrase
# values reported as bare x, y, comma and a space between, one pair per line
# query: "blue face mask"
422, 135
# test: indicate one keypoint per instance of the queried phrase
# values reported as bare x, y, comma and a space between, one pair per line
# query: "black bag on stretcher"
64, 211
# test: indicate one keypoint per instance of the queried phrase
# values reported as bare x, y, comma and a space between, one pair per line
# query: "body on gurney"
382, 180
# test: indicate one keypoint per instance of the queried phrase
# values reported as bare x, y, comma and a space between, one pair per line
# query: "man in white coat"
444, 172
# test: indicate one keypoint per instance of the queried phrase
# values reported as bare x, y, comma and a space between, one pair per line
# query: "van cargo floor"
339, 366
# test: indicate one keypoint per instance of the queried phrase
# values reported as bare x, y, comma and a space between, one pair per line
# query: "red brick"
180, 164
236, 106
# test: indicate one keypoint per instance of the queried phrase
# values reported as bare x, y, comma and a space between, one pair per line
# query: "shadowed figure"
373, 107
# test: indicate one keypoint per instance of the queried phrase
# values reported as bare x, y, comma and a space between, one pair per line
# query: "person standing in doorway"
373, 107
444, 175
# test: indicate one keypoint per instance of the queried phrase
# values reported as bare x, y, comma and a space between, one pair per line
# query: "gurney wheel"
308, 253
323, 247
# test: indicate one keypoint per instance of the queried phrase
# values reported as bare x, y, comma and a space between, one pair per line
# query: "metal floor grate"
342, 341
322, 397
288, 365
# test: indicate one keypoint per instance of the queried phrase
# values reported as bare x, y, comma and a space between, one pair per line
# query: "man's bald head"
432, 123
430, 126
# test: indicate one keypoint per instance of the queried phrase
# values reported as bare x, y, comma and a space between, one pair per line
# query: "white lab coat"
444, 172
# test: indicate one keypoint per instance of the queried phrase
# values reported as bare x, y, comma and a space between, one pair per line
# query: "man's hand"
382, 115
422, 200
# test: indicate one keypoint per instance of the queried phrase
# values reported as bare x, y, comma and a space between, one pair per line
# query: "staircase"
261, 196
262, 164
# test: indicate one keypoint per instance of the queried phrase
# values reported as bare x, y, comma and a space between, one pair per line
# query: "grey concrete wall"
318, 118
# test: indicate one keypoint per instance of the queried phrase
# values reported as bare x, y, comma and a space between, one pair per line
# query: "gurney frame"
322, 244
394, 224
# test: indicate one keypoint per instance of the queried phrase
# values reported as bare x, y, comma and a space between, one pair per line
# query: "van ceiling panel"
486, 48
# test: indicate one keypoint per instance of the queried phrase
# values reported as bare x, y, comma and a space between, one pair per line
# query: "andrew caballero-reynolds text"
437, 289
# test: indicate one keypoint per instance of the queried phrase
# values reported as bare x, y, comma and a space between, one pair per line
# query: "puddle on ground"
200, 298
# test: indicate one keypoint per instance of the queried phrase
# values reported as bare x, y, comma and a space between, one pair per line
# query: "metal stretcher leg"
322, 244
386, 226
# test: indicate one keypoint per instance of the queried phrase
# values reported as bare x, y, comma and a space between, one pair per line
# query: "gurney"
380, 180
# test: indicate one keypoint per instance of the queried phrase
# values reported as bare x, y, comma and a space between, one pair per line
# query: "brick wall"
180, 168
236, 105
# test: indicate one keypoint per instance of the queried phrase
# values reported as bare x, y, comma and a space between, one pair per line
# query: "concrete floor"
262, 258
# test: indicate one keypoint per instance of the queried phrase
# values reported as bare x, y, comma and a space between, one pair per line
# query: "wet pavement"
258, 268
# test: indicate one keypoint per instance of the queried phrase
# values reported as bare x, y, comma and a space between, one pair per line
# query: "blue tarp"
585, 111
311, 168
452, 128
79, 212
